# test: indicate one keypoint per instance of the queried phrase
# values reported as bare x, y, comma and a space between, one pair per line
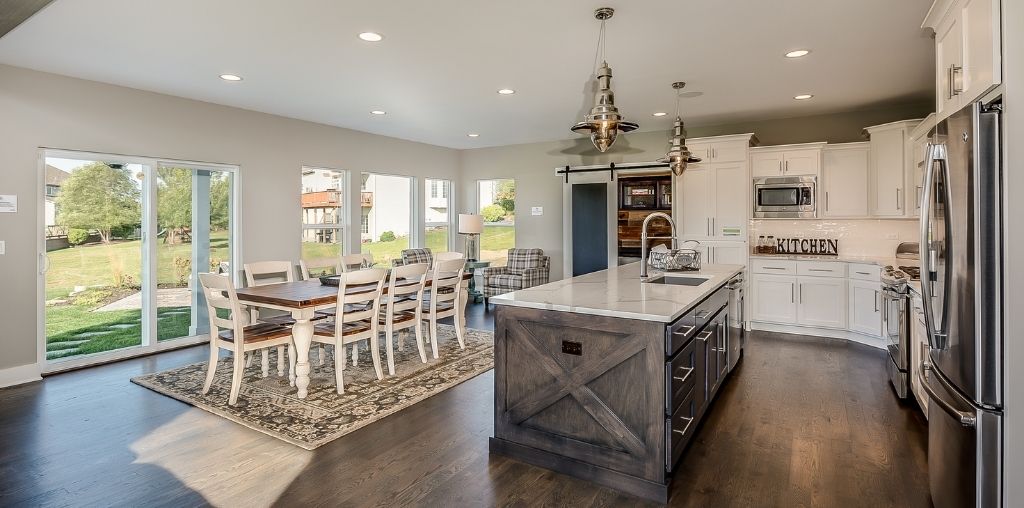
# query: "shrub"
182, 269
388, 236
77, 236
123, 231
493, 213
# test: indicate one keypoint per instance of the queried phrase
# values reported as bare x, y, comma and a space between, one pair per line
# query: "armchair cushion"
523, 259
413, 256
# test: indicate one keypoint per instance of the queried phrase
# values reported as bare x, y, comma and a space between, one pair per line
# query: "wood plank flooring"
801, 422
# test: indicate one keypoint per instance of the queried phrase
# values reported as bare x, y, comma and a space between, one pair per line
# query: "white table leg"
462, 301
302, 334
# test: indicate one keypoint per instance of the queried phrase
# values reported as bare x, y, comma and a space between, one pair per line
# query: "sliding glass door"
123, 241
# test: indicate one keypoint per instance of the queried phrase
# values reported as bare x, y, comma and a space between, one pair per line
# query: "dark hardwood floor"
801, 422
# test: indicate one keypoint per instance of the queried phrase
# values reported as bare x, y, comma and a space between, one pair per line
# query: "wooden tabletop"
304, 293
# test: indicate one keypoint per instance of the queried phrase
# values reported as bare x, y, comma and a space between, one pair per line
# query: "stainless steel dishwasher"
736, 328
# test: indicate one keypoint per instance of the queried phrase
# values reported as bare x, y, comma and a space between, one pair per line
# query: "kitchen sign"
812, 246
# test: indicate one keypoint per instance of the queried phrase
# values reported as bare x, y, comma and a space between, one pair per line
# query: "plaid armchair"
413, 256
526, 268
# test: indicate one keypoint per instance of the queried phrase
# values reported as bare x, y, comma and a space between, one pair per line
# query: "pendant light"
678, 155
604, 121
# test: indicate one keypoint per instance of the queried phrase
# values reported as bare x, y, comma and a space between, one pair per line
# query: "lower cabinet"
773, 298
865, 307
821, 302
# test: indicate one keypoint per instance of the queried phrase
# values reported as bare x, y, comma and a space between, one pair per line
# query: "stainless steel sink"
677, 281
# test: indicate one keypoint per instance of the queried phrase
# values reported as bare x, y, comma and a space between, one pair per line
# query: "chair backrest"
214, 288
317, 267
446, 256
359, 295
268, 272
405, 287
520, 260
357, 261
414, 256
447, 274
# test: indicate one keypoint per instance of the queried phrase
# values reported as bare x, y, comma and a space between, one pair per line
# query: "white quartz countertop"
874, 260
618, 292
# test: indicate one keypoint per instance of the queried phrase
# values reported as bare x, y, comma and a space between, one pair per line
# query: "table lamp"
472, 226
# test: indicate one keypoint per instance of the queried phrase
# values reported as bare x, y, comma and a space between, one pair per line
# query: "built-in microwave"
785, 197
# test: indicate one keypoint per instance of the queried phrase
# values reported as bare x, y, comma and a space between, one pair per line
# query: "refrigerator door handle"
966, 419
936, 154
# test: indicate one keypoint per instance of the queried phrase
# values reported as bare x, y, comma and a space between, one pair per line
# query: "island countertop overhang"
618, 292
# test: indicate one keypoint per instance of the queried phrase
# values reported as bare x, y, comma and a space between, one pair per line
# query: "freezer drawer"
964, 458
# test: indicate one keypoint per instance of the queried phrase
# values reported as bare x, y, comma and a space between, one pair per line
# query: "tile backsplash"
860, 237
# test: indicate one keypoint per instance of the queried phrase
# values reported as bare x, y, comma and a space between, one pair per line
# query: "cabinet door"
774, 299
887, 163
733, 151
702, 150
948, 57
915, 176
821, 302
730, 254
865, 308
766, 164
801, 162
981, 50
845, 178
729, 217
695, 201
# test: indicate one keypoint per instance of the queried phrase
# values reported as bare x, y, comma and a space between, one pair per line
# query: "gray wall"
45, 110
532, 165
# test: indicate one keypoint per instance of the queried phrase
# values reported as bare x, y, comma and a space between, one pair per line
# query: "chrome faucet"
644, 238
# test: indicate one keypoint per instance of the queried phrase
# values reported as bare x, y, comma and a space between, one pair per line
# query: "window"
496, 202
323, 213
437, 215
386, 200
364, 222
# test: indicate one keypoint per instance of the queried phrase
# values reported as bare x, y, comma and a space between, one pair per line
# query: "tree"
174, 202
492, 213
220, 195
505, 195
101, 197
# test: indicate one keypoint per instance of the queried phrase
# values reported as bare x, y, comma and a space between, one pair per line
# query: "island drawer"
679, 428
680, 377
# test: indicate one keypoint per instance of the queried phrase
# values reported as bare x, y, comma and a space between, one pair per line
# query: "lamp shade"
471, 224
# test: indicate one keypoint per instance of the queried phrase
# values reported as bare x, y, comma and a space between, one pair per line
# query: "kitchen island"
605, 377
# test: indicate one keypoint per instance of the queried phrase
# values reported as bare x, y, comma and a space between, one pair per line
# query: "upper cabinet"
968, 59
844, 179
890, 156
714, 195
786, 160
918, 145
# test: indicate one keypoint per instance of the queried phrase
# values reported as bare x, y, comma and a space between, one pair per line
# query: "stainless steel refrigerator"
961, 275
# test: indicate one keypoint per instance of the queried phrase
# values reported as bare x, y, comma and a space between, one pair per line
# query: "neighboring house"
54, 179
385, 206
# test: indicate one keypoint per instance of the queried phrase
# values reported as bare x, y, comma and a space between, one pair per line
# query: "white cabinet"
786, 160
773, 299
821, 302
722, 253
886, 170
714, 195
844, 179
865, 307
918, 146
918, 352
968, 57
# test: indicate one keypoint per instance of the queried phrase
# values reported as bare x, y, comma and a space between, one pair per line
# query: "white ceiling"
441, 62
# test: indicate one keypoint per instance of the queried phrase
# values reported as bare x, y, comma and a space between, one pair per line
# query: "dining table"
303, 299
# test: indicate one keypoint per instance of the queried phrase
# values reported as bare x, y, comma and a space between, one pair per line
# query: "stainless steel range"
896, 316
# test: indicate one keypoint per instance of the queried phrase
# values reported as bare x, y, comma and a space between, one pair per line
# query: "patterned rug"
270, 405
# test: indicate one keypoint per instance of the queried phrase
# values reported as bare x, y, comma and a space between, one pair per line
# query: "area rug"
271, 406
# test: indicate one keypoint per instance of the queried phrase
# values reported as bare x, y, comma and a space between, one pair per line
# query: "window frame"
340, 226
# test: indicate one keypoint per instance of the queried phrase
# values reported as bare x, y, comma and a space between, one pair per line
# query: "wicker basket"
675, 260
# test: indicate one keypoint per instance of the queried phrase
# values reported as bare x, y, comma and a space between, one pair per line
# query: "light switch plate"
3, 247
537, 210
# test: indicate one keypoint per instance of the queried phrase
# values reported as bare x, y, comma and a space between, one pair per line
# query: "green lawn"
68, 325
495, 241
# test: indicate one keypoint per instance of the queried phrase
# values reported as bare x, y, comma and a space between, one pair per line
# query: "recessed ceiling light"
798, 53
473, 135
659, 113
378, 112
803, 97
230, 77
506, 91
371, 36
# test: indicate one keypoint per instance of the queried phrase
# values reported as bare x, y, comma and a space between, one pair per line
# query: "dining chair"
317, 267
356, 261
234, 333
359, 295
404, 308
445, 299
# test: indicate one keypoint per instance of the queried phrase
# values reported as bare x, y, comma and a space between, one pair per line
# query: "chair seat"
327, 329
258, 332
441, 307
286, 320
506, 281
446, 290
399, 317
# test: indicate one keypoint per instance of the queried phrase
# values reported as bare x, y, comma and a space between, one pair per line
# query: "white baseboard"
875, 342
19, 375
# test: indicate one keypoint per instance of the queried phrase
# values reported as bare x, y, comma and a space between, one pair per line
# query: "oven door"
894, 322
784, 197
